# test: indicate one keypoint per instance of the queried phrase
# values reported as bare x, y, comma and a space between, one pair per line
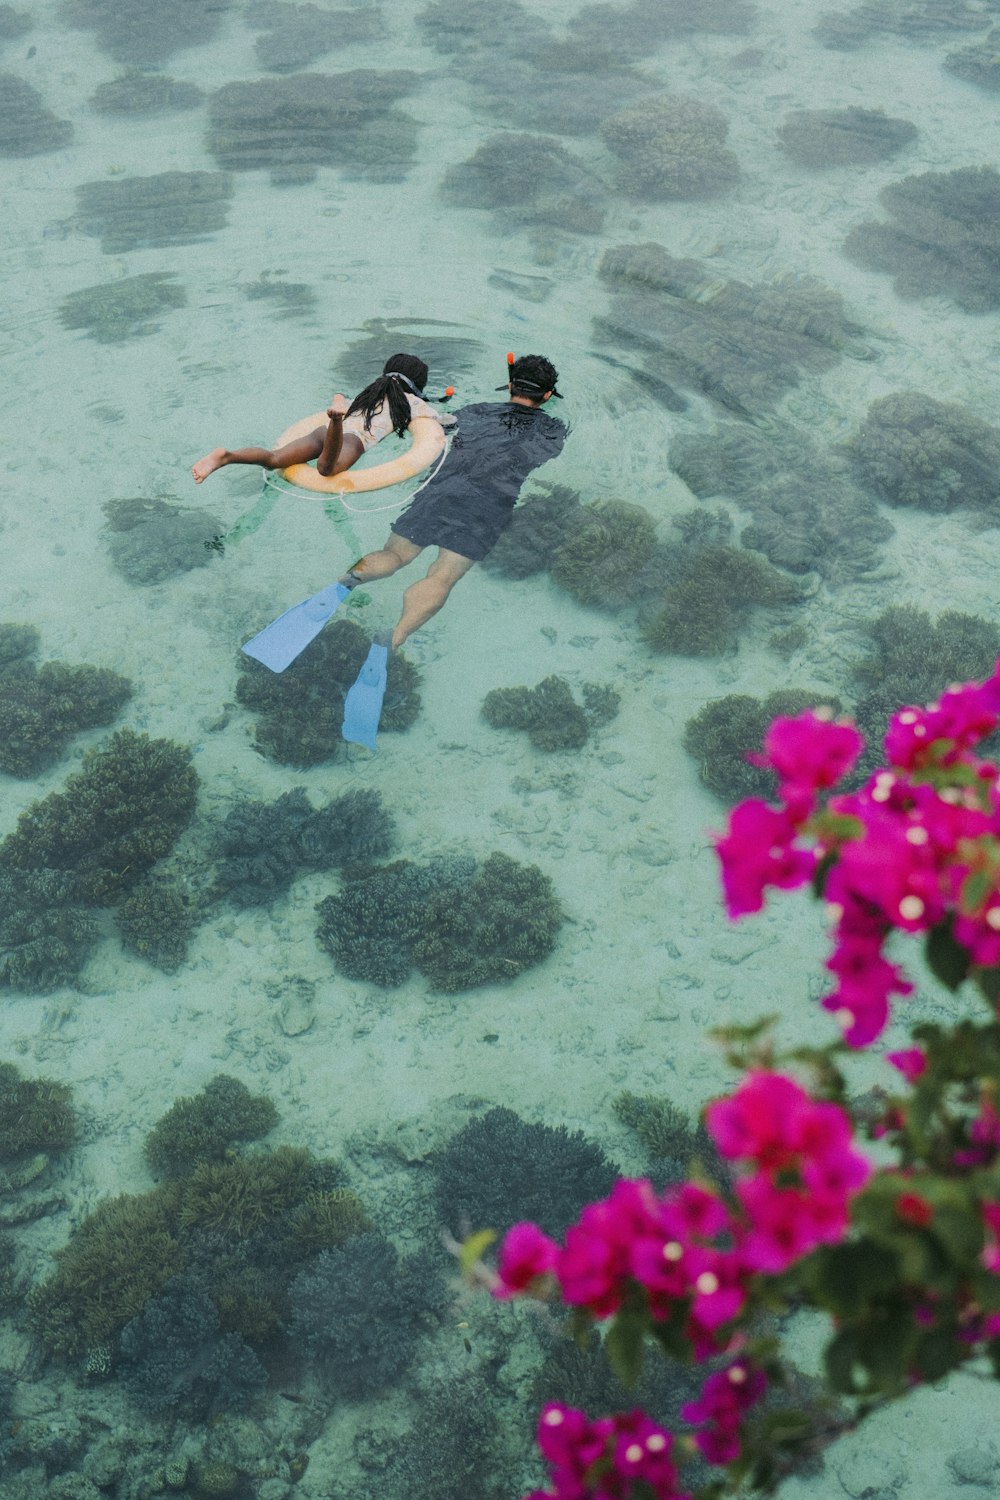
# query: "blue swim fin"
363, 704
279, 643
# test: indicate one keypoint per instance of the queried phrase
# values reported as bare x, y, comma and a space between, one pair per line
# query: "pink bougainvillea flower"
757, 1122
759, 850
610, 1458
725, 1398
594, 1266
526, 1257
910, 1061
866, 982
810, 753
947, 729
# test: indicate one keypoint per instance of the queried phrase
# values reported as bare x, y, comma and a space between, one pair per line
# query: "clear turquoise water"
382, 1078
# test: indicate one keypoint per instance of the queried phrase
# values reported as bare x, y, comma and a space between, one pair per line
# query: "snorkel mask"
521, 387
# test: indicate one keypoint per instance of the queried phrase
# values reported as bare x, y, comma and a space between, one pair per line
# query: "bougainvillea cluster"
904, 1258
916, 848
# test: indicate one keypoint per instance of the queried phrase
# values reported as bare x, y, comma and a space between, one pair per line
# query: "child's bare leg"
300, 452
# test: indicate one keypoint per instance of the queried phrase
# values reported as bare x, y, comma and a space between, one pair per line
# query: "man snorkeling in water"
465, 507
462, 510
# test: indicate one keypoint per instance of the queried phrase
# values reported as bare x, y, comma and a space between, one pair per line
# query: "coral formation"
941, 239
27, 126
807, 513
150, 539
721, 734
672, 1141
456, 1446
294, 299
569, 85
46, 933
369, 928
9, 1293
137, 94
980, 63
36, 1114
533, 176
295, 35
304, 121
174, 1359
499, 1169
447, 354
117, 1259
549, 712
300, 711
480, 29
13, 23
742, 344
112, 821
540, 525
703, 613
503, 921
157, 922
263, 846
202, 1127
458, 923
133, 31
328, 1219
245, 1194
170, 208
600, 558
17, 642
358, 1312
843, 137
119, 310
672, 146
912, 20
912, 449
42, 708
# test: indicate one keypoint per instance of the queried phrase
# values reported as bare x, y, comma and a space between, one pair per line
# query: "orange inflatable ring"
427, 444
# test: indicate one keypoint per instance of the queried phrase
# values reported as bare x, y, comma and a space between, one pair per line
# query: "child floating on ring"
387, 405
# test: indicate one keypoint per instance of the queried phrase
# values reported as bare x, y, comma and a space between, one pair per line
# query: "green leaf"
938, 1353
985, 1288
849, 1278
975, 890
946, 958
670, 1337
956, 1224
624, 1344
581, 1325
988, 983
874, 1357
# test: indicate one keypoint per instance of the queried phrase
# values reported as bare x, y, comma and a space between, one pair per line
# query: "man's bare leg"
425, 597
396, 554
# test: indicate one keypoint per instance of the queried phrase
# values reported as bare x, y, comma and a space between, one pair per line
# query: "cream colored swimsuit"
381, 421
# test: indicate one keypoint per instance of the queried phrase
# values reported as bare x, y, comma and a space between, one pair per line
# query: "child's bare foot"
208, 464
338, 406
